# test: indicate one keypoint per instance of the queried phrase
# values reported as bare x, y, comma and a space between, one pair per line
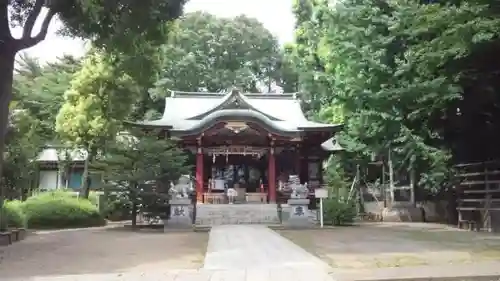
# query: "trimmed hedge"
60, 209
13, 210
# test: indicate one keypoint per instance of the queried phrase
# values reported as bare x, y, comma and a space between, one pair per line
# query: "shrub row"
53, 210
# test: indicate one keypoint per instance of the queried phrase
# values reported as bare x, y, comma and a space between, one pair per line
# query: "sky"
275, 15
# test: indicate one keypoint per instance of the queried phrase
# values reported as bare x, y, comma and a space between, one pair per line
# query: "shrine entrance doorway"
239, 170
248, 171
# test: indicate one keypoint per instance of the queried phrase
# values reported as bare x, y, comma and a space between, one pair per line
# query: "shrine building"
250, 142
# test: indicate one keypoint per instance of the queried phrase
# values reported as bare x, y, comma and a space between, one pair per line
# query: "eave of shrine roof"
332, 145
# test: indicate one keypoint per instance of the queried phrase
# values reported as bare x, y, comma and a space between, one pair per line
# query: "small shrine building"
246, 141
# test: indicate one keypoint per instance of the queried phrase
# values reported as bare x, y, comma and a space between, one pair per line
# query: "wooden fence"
478, 192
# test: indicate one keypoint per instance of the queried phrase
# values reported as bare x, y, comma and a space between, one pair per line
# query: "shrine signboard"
321, 193
235, 150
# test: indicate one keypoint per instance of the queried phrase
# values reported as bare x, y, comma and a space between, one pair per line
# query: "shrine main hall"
253, 143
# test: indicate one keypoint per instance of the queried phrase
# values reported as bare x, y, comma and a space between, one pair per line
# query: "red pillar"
272, 176
199, 175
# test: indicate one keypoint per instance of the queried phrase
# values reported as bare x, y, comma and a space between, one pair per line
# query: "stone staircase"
220, 214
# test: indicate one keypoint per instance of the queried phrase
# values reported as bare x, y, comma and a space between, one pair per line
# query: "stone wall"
403, 211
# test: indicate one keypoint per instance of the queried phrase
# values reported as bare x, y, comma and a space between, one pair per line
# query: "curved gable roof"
185, 111
233, 100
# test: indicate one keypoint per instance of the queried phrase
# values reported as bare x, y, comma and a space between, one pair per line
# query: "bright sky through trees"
276, 15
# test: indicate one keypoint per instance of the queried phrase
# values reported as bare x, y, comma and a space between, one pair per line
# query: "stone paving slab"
289, 274
255, 247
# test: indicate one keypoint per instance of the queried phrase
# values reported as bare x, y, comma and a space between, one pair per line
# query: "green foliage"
39, 89
334, 175
38, 92
338, 212
118, 207
99, 98
15, 218
140, 157
95, 103
141, 166
117, 26
22, 147
208, 53
60, 210
388, 70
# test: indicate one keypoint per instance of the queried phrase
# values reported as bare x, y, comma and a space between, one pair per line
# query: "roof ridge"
183, 94
284, 96
196, 94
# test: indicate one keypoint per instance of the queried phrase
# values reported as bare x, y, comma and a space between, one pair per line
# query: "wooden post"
199, 175
297, 161
487, 204
383, 187
272, 176
412, 186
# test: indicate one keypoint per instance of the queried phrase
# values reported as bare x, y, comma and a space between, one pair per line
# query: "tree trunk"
6, 79
391, 178
85, 186
84, 192
412, 186
133, 200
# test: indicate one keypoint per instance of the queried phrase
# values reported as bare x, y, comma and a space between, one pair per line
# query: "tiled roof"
51, 155
186, 111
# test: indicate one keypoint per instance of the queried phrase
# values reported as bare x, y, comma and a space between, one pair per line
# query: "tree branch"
30, 21
5, 34
27, 42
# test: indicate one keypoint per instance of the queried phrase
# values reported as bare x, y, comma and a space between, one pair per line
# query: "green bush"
117, 207
69, 193
13, 211
338, 212
61, 209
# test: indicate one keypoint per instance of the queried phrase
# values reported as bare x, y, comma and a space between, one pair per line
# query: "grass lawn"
380, 245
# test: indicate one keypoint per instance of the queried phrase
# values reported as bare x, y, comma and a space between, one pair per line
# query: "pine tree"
138, 159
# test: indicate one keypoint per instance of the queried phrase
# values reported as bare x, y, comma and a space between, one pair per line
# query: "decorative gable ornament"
236, 127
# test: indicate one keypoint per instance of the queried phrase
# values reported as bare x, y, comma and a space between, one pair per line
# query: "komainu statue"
182, 188
298, 190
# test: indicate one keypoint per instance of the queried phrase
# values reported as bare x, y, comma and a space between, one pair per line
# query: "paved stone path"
255, 247
200, 275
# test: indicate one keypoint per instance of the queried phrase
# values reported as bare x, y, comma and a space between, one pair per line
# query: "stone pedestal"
298, 211
180, 213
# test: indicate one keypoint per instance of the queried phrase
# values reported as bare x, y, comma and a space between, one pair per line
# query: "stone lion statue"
299, 191
183, 187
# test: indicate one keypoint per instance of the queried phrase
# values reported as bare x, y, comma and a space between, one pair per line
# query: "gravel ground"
104, 250
386, 245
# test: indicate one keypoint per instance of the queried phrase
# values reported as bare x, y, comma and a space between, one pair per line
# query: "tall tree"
40, 90
114, 24
23, 146
94, 106
388, 67
207, 53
